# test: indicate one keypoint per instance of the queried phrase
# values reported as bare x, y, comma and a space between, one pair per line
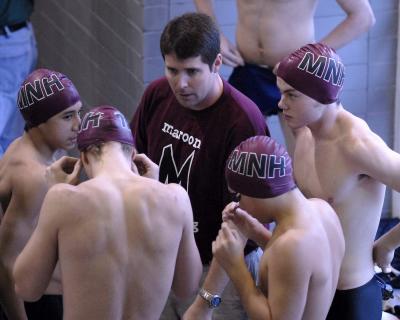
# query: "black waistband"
13, 27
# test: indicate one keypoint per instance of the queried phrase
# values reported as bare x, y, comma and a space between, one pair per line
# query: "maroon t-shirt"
191, 148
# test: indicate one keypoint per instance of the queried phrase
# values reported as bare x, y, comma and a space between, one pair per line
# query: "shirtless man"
135, 234
291, 284
339, 159
50, 105
267, 31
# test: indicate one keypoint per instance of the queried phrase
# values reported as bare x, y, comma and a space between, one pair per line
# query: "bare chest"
321, 171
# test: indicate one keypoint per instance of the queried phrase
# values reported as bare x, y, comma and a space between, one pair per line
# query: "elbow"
370, 20
189, 288
185, 294
23, 286
187, 291
367, 20
25, 293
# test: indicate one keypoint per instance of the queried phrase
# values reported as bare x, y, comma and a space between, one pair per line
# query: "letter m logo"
170, 173
314, 67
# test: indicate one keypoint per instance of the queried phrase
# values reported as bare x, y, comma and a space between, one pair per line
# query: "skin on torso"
268, 30
22, 190
318, 234
324, 169
118, 251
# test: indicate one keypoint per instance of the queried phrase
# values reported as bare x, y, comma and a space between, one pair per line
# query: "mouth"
185, 96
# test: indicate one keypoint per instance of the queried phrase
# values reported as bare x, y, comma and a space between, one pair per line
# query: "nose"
182, 81
76, 122
281, 104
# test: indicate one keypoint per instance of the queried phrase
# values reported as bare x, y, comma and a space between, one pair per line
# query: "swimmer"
122, 240
339, 159
50, 105
300, 266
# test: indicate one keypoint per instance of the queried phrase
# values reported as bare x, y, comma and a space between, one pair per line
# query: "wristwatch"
213, 300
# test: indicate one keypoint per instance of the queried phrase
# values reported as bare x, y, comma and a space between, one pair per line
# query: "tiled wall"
110, 49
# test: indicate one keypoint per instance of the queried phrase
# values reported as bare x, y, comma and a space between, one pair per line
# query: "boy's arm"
369, 155
384, 248
35, 265
230, 54
188, 268
288, 277
359, 18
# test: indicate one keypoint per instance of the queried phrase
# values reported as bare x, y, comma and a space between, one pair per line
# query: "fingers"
230, 55
75, 173
67, 164
139, 160
146, 167
387, 269
232, 58
229, 211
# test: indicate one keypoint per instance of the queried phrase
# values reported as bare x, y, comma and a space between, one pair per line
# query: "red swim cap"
315, 70
260, 168
43, 94
103, 124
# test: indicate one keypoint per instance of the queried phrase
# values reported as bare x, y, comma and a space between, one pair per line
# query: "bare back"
314, 244
118, 249
328, 169
268, 30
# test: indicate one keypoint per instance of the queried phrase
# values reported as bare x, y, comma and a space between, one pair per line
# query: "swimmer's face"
61, 130
298, 109
192, 81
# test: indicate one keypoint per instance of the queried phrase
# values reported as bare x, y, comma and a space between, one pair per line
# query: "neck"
284, 209
324, 127
47, 153
112, 162
215, 92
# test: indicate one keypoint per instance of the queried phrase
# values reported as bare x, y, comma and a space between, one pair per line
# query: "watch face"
215, 301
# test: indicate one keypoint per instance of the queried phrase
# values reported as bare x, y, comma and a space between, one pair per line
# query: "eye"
172, 71
192, 72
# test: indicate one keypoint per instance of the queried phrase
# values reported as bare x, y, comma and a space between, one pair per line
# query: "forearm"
215, 283
261, 236
207, 7
253, 300
349, 29
11, 304
391, 239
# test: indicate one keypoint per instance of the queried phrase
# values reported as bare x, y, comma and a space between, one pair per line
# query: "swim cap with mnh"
260, 168
103, 124
315, 70
43, 94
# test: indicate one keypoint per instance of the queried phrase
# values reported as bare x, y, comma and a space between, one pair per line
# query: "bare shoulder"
320, 205
167, 192
25, 178
326, 213
65, 196
356, 136
293, 245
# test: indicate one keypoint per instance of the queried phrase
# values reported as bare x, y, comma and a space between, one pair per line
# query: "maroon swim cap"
103, 124
43, 94
260, 168
315, 70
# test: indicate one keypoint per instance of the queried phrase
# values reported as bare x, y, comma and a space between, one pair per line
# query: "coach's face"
195, 86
